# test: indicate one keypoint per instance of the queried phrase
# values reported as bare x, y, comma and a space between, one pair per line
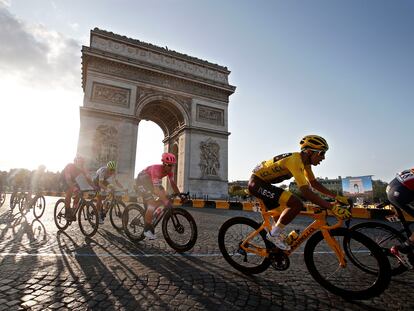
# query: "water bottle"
293, 235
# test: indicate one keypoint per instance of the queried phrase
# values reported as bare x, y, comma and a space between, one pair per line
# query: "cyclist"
36, 180
400, 193
71, 178
103, 180
148, 185
296, 165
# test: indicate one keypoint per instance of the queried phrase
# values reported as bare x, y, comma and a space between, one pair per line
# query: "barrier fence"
369, 212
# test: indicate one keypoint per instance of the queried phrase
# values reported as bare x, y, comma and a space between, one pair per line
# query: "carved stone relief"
112, 95
209, 158
210, 115
105, 145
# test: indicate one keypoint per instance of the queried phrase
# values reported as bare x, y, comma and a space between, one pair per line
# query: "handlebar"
383, 204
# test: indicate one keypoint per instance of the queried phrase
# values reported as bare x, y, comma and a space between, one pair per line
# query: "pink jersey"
156, 174
407, 178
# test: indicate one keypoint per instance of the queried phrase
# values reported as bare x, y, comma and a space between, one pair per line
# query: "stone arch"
163, 110
126, 80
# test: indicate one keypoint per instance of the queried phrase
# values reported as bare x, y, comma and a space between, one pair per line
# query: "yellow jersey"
283, 167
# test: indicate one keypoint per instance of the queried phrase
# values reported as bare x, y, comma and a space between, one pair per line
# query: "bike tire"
59, 215
88, 219
13, 201
236, 230
39, 206
351, 282
2, 198
133, 220
22, 202
385, 236
179, 229
115, 214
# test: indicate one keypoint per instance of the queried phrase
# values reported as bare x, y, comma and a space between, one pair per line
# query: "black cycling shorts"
272, 196
400, 196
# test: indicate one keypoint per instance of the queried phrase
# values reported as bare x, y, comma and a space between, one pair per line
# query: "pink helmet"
168, 158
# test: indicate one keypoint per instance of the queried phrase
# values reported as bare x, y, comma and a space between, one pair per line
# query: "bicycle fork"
333, 244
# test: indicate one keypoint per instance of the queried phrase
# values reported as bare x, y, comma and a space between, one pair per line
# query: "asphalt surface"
44, 269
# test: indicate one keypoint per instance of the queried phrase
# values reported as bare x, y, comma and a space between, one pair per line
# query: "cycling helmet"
168, 158
111, 165
314, 142
79, 160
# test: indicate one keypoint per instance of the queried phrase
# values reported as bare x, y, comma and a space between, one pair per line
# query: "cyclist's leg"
274, 197
145, 189
400, 197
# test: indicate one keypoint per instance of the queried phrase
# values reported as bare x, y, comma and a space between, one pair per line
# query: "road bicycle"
386, 236
85, 211
2, 198
15, 199
243, 244
37, 202
114, 205
178, 226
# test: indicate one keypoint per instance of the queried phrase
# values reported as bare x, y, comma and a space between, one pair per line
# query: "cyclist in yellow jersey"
296, 165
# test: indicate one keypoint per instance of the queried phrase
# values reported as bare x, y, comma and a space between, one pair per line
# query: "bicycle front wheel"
179, 229
88, 219
386, 237
133, 220
115, 214
231, 235
39, 206
350, 282
59, 215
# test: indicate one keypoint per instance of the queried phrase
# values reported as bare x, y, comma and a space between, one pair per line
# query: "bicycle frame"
319, 224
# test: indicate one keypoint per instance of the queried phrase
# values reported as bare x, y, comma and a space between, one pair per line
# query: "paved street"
42, 268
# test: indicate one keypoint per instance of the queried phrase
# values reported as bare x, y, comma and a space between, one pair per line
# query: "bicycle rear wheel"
88, 219
179, 229
39, 206
231, 235
386, 237
350, 282
115, 214
133, 220
59, 215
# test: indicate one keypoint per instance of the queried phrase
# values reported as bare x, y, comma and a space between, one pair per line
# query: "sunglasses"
169, 165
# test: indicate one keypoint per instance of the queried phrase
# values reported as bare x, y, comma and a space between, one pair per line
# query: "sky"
339, 69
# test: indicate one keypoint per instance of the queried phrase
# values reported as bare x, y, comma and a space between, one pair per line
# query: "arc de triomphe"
126, 80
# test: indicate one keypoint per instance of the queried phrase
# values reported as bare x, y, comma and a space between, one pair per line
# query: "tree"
379, 191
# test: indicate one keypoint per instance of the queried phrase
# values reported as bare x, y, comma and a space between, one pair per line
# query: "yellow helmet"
314, 142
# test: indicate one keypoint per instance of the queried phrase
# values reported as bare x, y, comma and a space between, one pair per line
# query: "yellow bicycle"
243, 244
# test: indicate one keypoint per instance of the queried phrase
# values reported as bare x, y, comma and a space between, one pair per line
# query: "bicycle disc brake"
279, 260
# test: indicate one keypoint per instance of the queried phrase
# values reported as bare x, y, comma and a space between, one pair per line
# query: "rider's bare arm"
313, 197
174, 186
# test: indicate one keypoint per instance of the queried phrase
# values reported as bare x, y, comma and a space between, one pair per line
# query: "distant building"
334, 185
240, 183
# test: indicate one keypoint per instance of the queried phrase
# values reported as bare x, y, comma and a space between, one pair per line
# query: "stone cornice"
126, 70
149, 46
93, 52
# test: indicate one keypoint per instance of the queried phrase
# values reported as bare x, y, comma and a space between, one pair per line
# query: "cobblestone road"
43, 269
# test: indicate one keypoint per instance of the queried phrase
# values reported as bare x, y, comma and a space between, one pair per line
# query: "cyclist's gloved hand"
342, 199
183, 198
341, 212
